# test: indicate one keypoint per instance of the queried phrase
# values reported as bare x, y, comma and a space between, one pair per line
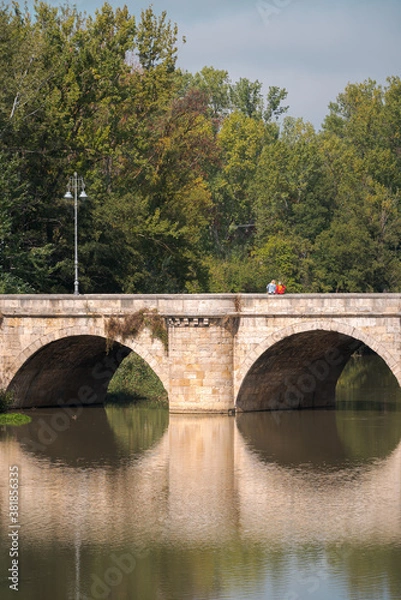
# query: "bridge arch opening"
136, 380
299, 371
73, 370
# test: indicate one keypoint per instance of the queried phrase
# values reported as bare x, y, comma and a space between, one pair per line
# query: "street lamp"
74, 183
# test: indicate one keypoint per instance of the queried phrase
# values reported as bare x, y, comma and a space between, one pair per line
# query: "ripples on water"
131, 503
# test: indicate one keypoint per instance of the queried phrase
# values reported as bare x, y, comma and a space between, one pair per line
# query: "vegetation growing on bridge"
195, 183
130, 326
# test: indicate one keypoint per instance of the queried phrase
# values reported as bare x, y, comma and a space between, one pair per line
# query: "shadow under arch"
73, 370
301, 369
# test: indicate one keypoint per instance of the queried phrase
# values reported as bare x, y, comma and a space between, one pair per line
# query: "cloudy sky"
313, 48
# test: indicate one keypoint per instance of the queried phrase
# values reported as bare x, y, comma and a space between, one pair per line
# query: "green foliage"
11, 284
6, 400
241, 140
196, 183
289, 187
286, 259
14, 419
246, 97
274, 99
216, 85
233, 275
133, 381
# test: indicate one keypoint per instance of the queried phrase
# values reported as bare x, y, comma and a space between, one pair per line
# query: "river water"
131, 503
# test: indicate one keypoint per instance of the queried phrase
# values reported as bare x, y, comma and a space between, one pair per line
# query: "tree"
363, 128
216, 85
241, 140
289, 187
275, 97
246, 97
158, 196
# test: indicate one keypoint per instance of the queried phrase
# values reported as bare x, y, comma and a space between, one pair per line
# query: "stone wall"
218, 345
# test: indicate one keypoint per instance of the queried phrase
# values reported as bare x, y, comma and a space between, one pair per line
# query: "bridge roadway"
222, 352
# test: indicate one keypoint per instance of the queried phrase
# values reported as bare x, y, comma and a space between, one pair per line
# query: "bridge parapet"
208, 305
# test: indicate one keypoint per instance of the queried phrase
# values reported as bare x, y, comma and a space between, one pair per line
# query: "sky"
312, 48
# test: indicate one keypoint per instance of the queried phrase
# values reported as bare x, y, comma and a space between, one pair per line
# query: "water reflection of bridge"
203, 482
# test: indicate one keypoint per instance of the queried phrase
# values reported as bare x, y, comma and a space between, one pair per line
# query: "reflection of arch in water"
352, 505
320, 439
89, 437
64, 436
72, 369
298, 367
293, 438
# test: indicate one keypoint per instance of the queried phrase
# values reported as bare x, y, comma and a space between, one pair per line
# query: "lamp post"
75, 183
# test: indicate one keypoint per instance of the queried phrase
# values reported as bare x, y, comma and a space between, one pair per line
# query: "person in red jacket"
280, 288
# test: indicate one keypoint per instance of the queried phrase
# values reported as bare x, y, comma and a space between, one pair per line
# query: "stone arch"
86, 340
303, 382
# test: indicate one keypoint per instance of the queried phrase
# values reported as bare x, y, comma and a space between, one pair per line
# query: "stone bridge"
220, 352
